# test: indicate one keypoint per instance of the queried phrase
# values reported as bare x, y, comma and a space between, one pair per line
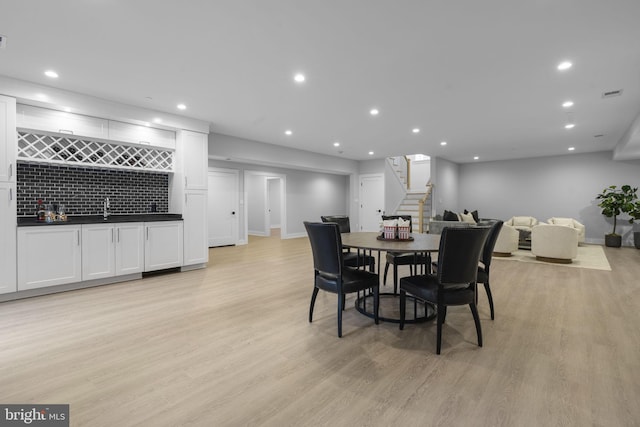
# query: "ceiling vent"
612, 93
3, 41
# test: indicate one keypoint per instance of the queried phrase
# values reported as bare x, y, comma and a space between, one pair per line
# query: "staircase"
410, 206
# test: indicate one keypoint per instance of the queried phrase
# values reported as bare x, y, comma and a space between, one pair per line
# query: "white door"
129, 248
163, 245
194, 215
371, 202
223, 207
98, 251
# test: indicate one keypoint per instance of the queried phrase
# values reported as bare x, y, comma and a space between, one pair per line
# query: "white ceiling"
480, 75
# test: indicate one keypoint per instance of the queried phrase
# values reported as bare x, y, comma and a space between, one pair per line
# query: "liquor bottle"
40, 211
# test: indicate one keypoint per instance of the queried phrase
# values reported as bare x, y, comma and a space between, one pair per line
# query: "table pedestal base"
417, 311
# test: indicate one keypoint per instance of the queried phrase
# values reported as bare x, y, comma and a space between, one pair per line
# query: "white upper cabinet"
195, 152
36, 118
127, 132
7, 139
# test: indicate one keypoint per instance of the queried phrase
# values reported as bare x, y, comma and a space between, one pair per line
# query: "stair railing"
421, 203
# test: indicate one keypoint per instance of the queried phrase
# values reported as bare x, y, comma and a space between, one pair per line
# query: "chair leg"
313, 303
344, 301
488, 289
395, 278
340, 300
376, 304
442, 312
386, 270
476, 318
403, 306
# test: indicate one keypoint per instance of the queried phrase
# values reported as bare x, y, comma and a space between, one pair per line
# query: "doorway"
264, 203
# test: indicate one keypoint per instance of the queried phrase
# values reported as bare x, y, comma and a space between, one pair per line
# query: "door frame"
283, 202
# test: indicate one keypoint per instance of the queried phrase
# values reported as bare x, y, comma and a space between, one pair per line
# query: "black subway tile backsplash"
83, 190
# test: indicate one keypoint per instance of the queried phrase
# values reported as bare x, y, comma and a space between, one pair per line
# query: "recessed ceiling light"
569, 126
336, 144
299, 78
181, 107
147, 124
67, 109
157, 120
52, 74
371, 153
567, 104
374, 112
475, 157
571, 148
288, 132
565, 65
443, 143
415, 130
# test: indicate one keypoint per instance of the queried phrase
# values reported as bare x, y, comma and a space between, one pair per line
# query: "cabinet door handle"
112, 235
78, 237
10, 170
10, 194
185, 182
66, 131
147, 233
185, 200
118, 235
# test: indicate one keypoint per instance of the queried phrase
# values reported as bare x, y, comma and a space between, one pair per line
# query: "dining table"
369, 243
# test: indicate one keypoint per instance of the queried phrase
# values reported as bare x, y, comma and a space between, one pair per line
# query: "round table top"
369, 240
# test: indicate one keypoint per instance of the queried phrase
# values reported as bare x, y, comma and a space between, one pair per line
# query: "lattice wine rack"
70, 150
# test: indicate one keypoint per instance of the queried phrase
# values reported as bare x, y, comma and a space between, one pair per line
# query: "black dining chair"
401, 258
350, 259
331, 275
454, 281
485, 260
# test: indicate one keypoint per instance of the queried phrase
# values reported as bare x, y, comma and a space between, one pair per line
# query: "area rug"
589, 256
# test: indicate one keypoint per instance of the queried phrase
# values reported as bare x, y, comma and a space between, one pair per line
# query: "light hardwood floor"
230, 345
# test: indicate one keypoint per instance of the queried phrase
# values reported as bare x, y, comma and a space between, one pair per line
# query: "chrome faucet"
106, 206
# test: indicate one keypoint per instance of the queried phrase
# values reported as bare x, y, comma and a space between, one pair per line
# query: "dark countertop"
98, 219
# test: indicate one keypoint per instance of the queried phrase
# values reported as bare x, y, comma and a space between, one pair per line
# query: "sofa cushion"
450, 216
522, 221
562, 221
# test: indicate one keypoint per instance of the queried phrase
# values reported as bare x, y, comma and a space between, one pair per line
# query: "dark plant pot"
636, 239
613, 240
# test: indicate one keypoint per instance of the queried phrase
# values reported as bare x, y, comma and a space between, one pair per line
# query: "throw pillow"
450, 216
467, 217
476, 218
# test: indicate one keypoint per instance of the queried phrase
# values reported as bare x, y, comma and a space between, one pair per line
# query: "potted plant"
613, 202
634, 213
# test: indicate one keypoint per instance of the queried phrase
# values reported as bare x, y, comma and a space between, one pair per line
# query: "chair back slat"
459, 254
326, 245
341, 220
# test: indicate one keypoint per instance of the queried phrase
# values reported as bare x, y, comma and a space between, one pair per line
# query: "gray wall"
543, 187
445, 180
